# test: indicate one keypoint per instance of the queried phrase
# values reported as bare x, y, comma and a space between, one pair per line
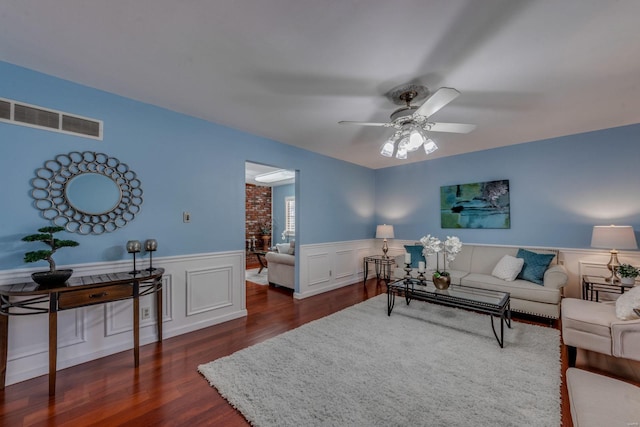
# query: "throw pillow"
535, 265
416, 254
508, 268
627, 302
282, 248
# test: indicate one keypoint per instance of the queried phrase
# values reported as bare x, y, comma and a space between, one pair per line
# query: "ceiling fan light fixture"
430, 146
416, 139
401, 154
387, 148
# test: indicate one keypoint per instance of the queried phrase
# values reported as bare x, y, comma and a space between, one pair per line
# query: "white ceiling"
289, 70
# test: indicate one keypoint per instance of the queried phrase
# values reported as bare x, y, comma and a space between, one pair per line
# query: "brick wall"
258, 211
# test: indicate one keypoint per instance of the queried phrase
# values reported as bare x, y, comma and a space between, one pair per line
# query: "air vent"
19, 113
83, 126
35, 116
5, 110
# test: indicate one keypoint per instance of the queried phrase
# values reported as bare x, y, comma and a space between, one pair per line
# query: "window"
290, 216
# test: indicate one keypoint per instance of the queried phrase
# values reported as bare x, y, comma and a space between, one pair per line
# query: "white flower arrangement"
432, 245
452, 247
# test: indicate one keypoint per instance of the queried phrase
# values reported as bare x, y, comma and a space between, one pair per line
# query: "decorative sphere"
133, 246
151, 245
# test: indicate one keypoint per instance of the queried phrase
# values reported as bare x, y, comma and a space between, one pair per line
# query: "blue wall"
559, 189
278, 196
184, 163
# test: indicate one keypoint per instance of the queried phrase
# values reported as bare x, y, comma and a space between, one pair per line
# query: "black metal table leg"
391, 300
366, 271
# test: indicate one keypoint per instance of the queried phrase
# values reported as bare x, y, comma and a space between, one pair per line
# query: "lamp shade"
613, 237
384, 231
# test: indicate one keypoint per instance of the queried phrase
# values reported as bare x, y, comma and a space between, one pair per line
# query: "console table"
30, 298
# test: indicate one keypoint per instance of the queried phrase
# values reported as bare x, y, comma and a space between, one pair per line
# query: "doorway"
269, 216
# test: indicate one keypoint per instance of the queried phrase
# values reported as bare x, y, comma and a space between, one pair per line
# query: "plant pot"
628, 280
442, 282
51, 279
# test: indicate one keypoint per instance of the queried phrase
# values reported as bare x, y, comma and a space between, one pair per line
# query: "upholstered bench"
599, 401
594, 326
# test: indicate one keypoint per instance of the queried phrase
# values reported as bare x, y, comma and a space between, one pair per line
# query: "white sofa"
281, 266
474, 265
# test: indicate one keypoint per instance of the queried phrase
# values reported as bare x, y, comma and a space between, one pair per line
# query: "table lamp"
384, 232
613, 237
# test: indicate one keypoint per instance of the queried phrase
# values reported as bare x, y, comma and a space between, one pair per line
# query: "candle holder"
133, 247
421, 278
151, 245
407, 269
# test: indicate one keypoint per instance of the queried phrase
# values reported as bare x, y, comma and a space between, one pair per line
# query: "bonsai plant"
627, 274
53, 276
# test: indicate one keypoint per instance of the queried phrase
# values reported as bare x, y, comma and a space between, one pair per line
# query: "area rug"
425, 365
252, 275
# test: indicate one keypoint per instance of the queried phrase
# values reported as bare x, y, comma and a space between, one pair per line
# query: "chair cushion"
587, 325
597, 400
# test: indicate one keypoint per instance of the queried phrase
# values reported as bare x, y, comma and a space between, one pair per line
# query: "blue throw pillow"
534, 265
416, 254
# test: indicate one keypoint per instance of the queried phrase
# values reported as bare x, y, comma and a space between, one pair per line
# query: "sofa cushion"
508, 268
416, 254
520, 289
535, 265
485, 258
626, 303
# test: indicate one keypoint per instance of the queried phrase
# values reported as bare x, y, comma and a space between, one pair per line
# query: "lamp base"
385, 249
613, 265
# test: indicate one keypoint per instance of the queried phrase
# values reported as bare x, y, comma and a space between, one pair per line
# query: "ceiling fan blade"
452, 127
435, 102
345, 122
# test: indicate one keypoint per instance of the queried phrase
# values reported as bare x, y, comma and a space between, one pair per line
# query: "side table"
261, 259
382, 265
593, 285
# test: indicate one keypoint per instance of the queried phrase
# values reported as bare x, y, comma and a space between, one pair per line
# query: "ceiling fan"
412, 122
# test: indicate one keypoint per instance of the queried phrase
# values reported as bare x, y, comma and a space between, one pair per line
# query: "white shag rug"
425, 365
252, 275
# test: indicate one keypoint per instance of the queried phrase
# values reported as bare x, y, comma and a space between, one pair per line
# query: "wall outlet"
145, 313
186, 217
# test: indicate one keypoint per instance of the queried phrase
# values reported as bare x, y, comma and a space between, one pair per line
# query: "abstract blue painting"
477, 205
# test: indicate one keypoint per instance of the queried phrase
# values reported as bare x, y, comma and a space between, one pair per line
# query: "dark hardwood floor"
167, 388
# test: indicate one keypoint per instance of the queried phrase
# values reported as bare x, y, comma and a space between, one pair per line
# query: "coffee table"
494, 303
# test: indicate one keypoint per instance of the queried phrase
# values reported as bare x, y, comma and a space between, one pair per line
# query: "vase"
51, 279
442, 282
628, 280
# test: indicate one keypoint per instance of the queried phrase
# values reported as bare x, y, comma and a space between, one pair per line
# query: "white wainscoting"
204, 290
198, 291
328, 266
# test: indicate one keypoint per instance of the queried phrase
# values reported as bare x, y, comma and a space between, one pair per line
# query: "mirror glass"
92, 193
